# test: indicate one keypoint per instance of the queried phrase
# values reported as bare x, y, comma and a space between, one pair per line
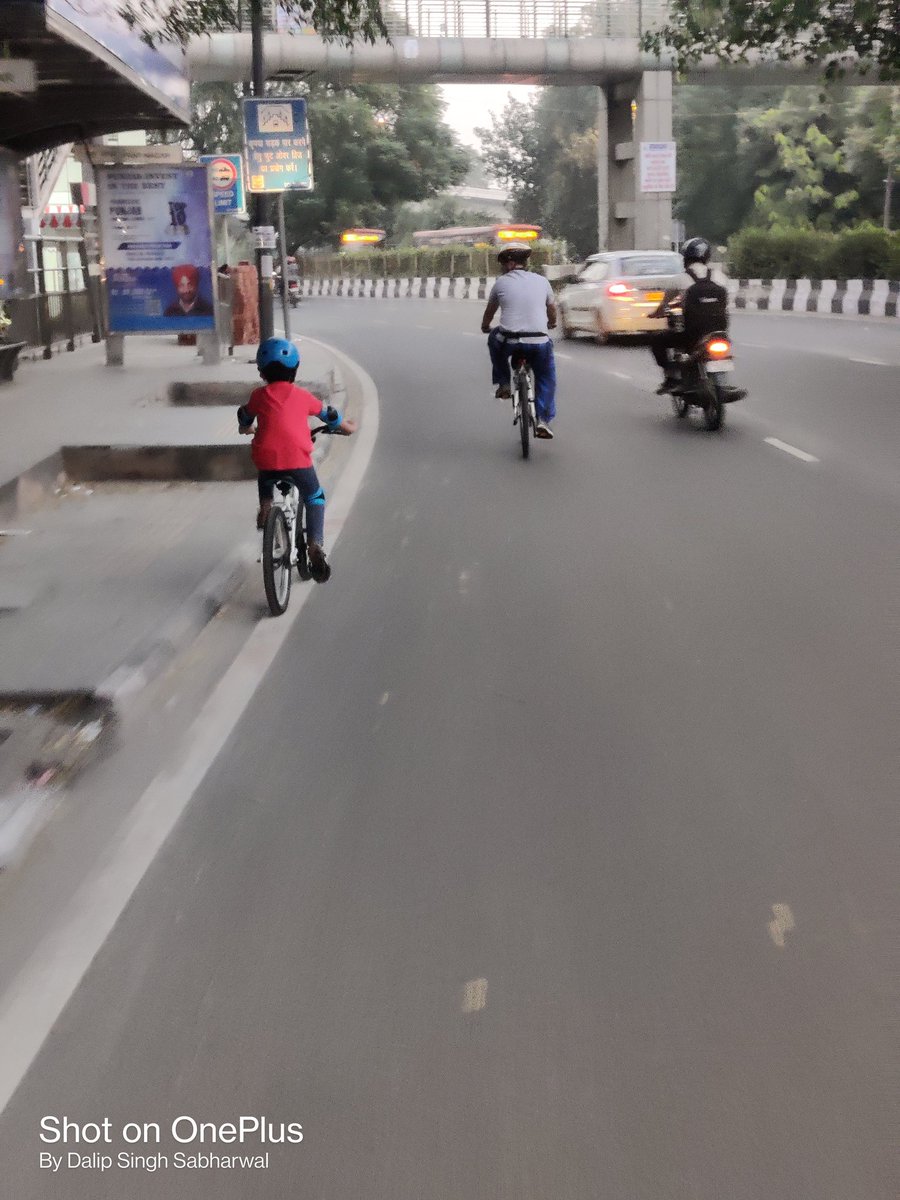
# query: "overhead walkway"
551, 42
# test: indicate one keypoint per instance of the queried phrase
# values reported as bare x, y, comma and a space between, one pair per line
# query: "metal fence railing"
524, 18
507, 18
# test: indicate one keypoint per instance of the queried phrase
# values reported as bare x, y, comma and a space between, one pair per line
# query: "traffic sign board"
227, 178
277, 141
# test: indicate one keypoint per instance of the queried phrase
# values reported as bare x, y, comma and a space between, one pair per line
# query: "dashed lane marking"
474, 995
782, 922
801, 454
870, 362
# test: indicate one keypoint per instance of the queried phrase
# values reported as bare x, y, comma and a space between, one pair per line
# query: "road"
555, 856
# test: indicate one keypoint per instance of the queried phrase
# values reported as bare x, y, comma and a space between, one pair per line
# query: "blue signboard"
226, 177
97, 26
278, 150
157, 248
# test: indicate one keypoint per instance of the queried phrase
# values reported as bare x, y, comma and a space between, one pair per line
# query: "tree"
374, 149
805, 178
546, 153
835, 34
179, 20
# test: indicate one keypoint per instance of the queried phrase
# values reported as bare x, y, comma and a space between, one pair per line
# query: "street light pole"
262, 204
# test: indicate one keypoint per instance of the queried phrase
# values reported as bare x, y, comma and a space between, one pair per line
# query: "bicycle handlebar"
331, 432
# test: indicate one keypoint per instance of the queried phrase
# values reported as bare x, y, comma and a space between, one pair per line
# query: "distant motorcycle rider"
704, 309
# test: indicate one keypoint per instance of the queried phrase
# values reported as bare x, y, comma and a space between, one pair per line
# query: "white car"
616, 293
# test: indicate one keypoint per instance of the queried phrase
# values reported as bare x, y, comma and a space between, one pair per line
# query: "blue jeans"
539, 357
307, 483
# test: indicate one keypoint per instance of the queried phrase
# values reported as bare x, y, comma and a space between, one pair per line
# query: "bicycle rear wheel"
524, 415
276, 561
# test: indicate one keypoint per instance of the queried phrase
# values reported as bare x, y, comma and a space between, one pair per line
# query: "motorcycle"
704, 372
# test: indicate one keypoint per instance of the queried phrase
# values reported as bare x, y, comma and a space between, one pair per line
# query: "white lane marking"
801, 454
469, 333
384, 698
474, 995
562, 354
869, 362
424, 327
31, 1005
622, 375
782, 922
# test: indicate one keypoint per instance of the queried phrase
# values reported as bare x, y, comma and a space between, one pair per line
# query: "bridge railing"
523, 18
508, 18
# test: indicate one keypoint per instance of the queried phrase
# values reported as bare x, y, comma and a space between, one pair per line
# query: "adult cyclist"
527, 313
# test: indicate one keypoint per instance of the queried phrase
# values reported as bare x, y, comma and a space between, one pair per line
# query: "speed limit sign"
226, 174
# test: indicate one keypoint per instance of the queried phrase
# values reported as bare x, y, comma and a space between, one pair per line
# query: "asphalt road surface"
555, 857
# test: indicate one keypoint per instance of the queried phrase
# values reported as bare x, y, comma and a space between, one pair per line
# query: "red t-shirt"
282, 441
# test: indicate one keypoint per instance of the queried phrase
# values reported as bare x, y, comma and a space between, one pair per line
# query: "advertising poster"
157, 248
278, 150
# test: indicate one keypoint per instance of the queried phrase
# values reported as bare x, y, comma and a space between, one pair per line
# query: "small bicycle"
284, 541
524, 413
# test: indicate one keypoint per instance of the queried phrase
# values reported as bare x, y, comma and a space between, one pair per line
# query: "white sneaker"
543, 430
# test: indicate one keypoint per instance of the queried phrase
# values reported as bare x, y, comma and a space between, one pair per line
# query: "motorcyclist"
704, 310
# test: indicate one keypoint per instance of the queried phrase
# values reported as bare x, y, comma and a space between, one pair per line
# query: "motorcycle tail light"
719, 348
618, 289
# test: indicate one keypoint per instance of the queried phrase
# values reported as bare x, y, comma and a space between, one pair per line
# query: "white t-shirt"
523, 297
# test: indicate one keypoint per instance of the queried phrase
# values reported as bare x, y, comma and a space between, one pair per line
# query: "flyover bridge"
558, 42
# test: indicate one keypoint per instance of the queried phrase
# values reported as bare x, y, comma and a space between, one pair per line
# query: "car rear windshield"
655, 264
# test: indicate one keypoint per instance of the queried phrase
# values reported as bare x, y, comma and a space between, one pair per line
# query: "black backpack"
705, 309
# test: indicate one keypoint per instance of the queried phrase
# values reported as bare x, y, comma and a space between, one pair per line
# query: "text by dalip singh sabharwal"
251, 1135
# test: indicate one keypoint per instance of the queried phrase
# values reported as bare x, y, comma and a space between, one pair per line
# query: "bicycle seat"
284, 486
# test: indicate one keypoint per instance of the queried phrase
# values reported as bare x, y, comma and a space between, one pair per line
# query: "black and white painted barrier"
844, 297
417, 287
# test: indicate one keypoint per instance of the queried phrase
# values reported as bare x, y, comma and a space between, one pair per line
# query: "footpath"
127, 506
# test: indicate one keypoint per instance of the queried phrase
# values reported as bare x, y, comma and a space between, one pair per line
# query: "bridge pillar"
638, 110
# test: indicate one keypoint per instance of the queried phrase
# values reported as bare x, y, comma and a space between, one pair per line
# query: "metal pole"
262, 206
602, 169
283, 255
888, 196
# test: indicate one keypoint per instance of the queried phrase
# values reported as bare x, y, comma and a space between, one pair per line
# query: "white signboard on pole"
658, 167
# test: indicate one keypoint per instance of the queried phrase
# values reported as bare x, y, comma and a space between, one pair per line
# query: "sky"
469, 104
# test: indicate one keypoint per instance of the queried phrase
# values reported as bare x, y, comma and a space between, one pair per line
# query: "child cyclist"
282, 444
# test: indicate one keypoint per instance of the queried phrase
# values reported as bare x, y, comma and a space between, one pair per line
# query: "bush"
438, 261
777, 254
863, 253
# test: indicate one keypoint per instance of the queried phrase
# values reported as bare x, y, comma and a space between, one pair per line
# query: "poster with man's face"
157, 248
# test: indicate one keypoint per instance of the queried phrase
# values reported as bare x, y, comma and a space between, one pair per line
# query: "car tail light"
719, 348
618, 289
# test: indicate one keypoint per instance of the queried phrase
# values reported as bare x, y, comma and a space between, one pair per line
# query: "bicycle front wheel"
276, 560
524, 414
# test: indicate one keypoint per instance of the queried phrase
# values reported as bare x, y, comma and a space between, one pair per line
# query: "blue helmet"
277, 350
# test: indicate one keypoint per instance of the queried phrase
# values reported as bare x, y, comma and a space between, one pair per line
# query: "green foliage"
862, 253
374, 149
821, 32
546, 152
758, 253
179, 20
798, 157
454, 262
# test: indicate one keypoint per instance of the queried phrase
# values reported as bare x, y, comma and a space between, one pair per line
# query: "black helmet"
514, 252
696, 250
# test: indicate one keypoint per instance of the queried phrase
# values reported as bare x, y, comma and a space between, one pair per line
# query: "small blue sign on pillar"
226, 176
277, 141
